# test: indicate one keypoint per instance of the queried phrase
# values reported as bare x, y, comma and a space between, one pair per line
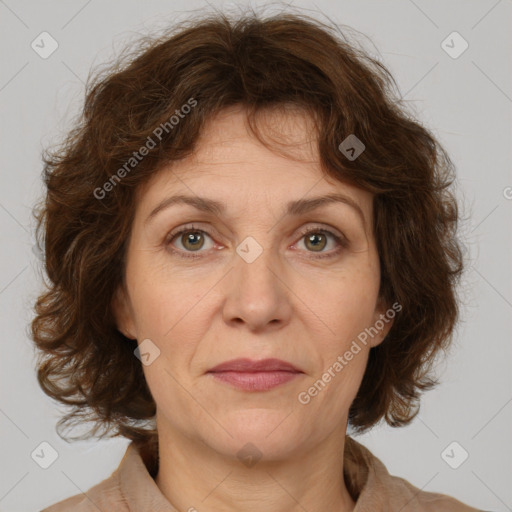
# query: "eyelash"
341, 240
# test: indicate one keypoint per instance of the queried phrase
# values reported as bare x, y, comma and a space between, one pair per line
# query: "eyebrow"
295, 208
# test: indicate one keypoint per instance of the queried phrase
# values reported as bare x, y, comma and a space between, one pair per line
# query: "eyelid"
191, 226
326, 229
338, 236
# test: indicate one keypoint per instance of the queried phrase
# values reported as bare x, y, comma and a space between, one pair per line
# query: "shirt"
131, 488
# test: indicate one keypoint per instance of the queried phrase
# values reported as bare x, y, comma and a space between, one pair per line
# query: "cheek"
164, 302
329, 395
345, 302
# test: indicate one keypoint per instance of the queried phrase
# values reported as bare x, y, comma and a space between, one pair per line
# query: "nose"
258, 293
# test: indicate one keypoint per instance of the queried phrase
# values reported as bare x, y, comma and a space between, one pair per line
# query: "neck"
194, 477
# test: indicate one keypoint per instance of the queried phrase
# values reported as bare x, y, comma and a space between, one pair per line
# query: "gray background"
466, 101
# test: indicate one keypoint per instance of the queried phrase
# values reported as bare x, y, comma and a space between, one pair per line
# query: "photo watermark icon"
304, 397
151, 143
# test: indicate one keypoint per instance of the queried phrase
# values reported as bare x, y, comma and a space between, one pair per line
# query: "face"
253, 279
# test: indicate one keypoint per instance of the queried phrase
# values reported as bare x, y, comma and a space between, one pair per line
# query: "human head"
257, 63
253, 286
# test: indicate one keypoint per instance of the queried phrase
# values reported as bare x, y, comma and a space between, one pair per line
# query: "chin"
270, 434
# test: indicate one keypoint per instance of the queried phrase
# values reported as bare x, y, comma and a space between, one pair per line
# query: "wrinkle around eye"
349, 230
337, 238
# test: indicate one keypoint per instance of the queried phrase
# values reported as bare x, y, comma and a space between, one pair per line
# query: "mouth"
249, 375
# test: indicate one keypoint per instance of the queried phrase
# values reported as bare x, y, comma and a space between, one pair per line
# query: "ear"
123, 313
383, 319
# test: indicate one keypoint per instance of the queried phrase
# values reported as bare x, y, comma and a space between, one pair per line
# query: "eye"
316, 239
192, 240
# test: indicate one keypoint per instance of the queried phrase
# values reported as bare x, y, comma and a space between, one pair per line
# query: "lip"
248, 365
249, 375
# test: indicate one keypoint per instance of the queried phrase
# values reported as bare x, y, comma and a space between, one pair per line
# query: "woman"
251, 247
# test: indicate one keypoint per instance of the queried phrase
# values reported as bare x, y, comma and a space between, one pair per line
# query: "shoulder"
105, 495
378, 490
414, 499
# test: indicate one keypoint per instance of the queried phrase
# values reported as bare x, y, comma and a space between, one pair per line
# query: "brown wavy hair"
258, 62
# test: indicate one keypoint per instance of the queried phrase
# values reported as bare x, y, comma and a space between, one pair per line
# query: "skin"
285, 304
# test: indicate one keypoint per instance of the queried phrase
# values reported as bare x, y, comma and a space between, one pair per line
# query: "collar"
367, 480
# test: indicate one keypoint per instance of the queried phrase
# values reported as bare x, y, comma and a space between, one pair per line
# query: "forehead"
290, 127
226, 141
231, 164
